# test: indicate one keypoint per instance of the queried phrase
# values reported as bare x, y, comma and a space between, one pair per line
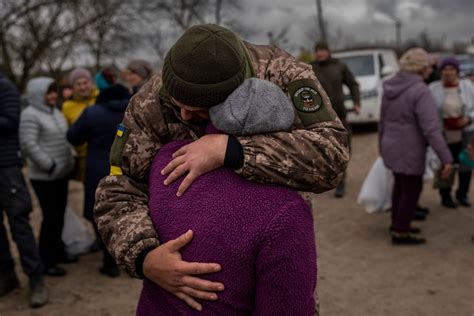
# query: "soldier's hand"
196, 159
165, 267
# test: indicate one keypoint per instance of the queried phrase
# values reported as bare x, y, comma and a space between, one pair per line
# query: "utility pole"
322, 28
398, 33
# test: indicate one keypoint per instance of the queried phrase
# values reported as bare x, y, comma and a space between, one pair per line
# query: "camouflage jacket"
311, 157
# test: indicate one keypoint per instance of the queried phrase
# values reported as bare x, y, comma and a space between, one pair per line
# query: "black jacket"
332, 74
97, 127
10, 154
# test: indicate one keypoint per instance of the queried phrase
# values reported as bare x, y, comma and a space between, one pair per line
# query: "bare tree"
38, 26
166, 19
114, 32
279, 38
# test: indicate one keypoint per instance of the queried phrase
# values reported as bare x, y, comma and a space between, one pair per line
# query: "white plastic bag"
432, 164
376, 193
75, 235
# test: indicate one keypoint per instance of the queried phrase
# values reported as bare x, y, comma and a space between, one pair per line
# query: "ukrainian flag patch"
120, 130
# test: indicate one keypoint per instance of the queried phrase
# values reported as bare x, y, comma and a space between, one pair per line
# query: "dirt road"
360, 272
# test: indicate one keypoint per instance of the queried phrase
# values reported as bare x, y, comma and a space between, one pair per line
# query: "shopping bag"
432, 164
376, 193
75, 235
440, 183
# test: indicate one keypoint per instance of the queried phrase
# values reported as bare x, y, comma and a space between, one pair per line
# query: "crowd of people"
415, 116
65, 133
246, 124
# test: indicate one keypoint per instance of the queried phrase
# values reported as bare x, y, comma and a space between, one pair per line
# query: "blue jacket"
9, 124
97, 126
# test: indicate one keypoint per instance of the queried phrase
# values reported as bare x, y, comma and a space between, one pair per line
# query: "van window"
362, 65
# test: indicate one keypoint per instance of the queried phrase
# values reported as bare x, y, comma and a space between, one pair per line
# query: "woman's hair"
53, 87
415, 60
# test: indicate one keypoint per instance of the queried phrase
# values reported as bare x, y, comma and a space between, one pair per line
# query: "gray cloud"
360, 20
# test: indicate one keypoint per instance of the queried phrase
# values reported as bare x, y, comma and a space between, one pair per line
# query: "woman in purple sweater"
408, 124
261, 235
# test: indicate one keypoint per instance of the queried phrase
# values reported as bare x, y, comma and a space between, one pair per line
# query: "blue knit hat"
105, 79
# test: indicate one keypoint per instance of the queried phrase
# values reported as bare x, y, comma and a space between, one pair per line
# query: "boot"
8, 284
109, 267
38, 292
422, 209
461, 193
446, 199
340, 190
55, 271
70, 258
413, 230
112, 271
419, 216
406, 239
449, 203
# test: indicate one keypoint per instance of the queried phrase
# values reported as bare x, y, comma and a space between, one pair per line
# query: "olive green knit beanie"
204, 66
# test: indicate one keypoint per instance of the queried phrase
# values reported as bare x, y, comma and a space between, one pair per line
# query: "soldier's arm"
314, 155
121, 209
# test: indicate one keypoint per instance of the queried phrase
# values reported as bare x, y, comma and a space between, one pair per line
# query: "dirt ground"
360, 272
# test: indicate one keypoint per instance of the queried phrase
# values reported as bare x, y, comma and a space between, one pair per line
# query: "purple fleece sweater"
261, 235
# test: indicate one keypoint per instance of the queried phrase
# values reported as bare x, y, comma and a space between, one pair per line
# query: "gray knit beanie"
141, 68
256, 106
79, 73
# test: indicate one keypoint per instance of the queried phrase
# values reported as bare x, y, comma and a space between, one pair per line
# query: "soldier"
333, 73
205, 66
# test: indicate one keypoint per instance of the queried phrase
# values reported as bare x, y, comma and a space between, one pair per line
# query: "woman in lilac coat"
409, 123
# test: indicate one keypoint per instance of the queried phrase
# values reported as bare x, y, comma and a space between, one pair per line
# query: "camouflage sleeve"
312, 157
121, 209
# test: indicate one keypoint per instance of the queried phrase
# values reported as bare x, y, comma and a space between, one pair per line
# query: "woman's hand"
464, 121
446, 171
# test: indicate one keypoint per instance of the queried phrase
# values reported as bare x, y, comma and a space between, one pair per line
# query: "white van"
370, 67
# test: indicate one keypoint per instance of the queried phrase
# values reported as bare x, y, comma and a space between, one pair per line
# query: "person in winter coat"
205, 65
15, 202
97, 126
43, 140
455, 102
333, 74
138, 73
408, 124
84, 95
261, 235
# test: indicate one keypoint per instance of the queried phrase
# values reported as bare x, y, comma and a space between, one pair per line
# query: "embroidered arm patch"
308, 102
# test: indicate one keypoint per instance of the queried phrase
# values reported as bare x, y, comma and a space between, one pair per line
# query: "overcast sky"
359, 20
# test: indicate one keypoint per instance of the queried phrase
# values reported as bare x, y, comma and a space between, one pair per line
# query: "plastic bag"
433, 164
376, 193
75, 235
